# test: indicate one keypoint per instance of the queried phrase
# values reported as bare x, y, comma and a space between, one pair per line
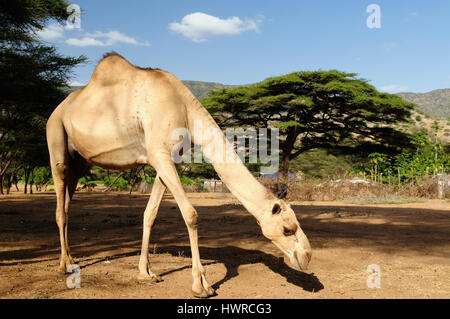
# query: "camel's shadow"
233, 257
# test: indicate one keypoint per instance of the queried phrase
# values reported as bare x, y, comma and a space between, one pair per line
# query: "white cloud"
104, 39
54, 31
393, 88
76, 83
84, 42
200, 26
57, 32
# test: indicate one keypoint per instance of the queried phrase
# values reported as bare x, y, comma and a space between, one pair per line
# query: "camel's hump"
113, 66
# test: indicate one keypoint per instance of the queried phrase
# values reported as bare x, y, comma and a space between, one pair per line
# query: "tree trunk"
284, 168
27, 176
8, 184
3, 170
2, 173
31, 181
133, 177
111, 185
16, 181
287, 147
11, 180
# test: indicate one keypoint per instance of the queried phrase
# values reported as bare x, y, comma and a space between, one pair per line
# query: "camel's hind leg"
64, 181
77, 168
65, 178
60, 172
151, 210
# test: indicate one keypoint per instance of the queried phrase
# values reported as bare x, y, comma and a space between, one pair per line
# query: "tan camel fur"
125, 117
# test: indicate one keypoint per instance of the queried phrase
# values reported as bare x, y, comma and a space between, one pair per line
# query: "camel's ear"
276, 209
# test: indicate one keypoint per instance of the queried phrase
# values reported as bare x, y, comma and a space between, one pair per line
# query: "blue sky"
239, 42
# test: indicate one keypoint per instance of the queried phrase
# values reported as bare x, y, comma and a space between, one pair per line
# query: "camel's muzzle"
301, 256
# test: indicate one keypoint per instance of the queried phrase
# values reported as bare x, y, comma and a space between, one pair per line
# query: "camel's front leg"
166, 169
151, 210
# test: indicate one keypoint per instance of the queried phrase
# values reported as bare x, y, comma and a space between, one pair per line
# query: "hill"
435, 103
201, 89
433, 107
198, 88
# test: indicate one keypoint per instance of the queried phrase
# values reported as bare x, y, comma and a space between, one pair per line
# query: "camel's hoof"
211, 291
205, 293
62, 270
65, 265
152, 279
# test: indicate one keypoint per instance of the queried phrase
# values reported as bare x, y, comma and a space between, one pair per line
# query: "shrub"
150, 180
185, 180
120, 184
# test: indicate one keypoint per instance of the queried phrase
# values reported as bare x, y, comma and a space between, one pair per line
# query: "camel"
124, 117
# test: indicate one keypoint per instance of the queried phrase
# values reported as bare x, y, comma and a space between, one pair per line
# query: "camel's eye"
276, 209
288, 232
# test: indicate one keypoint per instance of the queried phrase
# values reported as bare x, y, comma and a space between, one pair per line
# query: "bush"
90, 183
185, 180
120, 184
42, 175
150, 180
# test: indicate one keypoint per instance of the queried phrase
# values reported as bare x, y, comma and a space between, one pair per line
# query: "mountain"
433, 107
201, 89
435, 103
198, 88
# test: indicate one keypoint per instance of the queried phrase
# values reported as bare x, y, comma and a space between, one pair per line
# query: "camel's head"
281, 226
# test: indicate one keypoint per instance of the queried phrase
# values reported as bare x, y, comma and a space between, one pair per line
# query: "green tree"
329, 110
33, 76
429, 157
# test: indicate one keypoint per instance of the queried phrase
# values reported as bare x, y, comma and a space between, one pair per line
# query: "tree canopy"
33, 75
330, 110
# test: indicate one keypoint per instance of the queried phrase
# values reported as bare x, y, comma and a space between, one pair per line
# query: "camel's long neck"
242, 184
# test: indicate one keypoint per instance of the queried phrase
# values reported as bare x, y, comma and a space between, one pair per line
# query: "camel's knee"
150, 213
60, 170
191, 218
60, 218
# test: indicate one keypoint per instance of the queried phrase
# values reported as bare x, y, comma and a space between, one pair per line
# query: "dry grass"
369, 192
384, 199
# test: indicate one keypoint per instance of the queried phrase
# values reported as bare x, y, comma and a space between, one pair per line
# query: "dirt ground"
409, 242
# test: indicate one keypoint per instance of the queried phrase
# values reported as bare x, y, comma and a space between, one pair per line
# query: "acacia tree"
330, 110
32, 75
